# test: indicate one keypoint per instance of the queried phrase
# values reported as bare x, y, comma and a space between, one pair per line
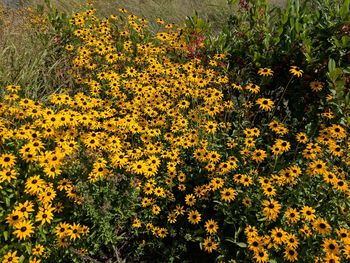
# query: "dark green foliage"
309, 34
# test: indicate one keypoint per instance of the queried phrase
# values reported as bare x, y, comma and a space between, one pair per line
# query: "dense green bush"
313, 35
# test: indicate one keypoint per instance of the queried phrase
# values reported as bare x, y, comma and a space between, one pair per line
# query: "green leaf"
284, 18
345, 41
7, 201
241, 244
6, 235
331, 65
345, 9
291, 21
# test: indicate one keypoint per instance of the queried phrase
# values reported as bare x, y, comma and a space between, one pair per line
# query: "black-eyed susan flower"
330, 246
308, 213
271, 209
13, 88
7, 175
290, 254
269, 190
162, 232
172, 217
278, 236
346, 251
209, 245
259, 155
337, 131
316, 86
331, 258
296, 71
10, 257
292, 241
265, 104
74, 231
194, 217
69, 47
261, 256
190, 199
292, 215
44, 215
25, 208
24, 229
301, 137
7, 160
211, 126
253, 88
38, 250
228, 194
211, 226
265, 72
321, 226
305, 231
14, 218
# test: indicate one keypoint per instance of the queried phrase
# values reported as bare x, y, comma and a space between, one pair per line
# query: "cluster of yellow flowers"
144, 107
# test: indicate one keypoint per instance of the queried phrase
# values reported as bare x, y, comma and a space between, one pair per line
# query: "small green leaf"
241, 244
331, 65
6, 235
298, 27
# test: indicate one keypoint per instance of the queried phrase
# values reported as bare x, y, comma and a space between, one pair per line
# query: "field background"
29, 61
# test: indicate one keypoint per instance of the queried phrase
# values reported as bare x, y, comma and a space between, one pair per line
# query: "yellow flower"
69, 47
265, 72
296, 71
316, 86
38, 250
45, 215
24, 229
308, 213
259, 155
194, 217
209, 245
330, 246
321, 226
290, 254
271, 209
265, 104
261, 256
255, 89
211, 126
10, 257
7, 160
228, 194
211, 226
190, 199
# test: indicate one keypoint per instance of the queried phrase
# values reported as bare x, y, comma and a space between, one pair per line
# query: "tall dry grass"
171, 10
28, 53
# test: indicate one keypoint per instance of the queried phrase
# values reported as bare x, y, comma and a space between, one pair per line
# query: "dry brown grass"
175, 11
26, 58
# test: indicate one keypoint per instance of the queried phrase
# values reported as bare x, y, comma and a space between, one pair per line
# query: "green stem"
284, 92
274, 165
295, 152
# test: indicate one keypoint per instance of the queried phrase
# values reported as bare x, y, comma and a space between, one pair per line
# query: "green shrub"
308, 34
